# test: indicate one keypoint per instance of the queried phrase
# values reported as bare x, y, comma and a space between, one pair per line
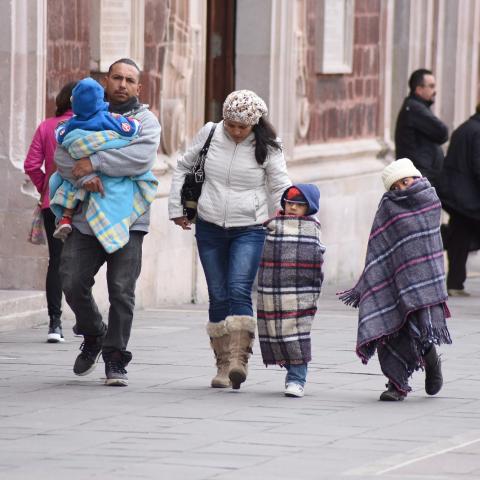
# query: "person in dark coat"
419, 133
460, 194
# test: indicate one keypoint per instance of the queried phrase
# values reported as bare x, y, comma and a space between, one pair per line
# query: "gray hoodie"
136, 158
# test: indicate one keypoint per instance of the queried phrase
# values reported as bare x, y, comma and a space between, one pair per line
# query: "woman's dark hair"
62, 100
265, 138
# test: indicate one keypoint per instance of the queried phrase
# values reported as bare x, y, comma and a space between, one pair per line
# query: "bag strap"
198, 168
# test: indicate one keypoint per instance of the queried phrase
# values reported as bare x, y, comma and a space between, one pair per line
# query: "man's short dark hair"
127, 61
416, 78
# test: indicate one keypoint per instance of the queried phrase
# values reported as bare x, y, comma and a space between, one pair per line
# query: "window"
334, 36
116, 31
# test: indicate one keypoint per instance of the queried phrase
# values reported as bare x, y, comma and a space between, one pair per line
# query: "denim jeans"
53, 285
82, 257
230, 258
296, 374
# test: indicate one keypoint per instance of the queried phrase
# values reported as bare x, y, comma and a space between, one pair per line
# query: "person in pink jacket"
39, 166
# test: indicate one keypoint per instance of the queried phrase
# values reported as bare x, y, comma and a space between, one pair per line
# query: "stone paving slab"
168, 424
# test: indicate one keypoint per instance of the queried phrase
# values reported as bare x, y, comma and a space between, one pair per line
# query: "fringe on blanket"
350, 297
437, 336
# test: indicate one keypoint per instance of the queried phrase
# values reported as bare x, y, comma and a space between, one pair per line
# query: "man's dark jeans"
462, 231
82, 257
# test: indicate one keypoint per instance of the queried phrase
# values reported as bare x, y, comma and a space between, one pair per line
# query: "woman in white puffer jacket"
244, 170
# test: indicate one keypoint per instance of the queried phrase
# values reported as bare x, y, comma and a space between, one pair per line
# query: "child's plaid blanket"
289, 282
110, 217
83, 143
404, 269
126, 198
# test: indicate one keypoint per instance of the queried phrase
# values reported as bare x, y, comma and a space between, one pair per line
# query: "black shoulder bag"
192, 185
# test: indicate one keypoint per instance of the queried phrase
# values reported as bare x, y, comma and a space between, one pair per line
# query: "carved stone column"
282, 77
22, 56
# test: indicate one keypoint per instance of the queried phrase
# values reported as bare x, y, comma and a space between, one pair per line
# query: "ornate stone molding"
175, 75
183, 82
183, 78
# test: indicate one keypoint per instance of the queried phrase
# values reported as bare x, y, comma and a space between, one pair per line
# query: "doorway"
220, 64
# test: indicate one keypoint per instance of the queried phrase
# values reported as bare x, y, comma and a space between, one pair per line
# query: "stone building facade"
333, 72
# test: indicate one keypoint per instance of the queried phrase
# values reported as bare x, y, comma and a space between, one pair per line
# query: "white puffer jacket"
236, 189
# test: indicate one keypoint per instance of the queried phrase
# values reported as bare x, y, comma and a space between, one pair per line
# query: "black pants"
82, 257
462, 233
53, 285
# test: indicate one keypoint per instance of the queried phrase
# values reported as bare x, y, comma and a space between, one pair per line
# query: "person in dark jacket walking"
419, 133
459, 190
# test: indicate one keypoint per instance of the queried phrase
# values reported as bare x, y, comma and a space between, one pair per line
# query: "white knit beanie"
244, 106
397, 170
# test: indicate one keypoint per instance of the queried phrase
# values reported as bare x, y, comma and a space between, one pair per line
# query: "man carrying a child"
83, 254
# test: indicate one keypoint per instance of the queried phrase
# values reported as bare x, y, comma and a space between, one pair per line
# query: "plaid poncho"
289, 282
404, 270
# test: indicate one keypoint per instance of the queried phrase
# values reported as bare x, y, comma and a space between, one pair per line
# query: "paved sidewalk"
168, 424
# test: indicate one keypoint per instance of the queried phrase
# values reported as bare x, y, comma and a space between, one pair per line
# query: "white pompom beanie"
397, 170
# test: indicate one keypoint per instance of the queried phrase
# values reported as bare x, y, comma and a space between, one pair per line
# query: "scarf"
289, 282
128, 107
404, 269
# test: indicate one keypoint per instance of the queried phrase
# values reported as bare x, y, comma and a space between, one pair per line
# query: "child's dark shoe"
433, 372
391, 394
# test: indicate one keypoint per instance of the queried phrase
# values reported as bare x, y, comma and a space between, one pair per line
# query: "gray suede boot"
220, 343
242, 334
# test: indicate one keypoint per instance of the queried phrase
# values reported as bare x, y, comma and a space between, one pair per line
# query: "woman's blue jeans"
230, 259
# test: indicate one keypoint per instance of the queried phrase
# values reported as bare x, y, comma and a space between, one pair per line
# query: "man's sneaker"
64, 228
116, 375
293, 390
87, 360
55, 333
391, 394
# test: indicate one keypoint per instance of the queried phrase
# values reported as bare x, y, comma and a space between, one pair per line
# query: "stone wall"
68, 46
346, 106
156, 15
333, 125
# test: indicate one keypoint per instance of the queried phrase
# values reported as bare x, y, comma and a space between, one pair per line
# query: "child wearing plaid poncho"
289, 282
401, 294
